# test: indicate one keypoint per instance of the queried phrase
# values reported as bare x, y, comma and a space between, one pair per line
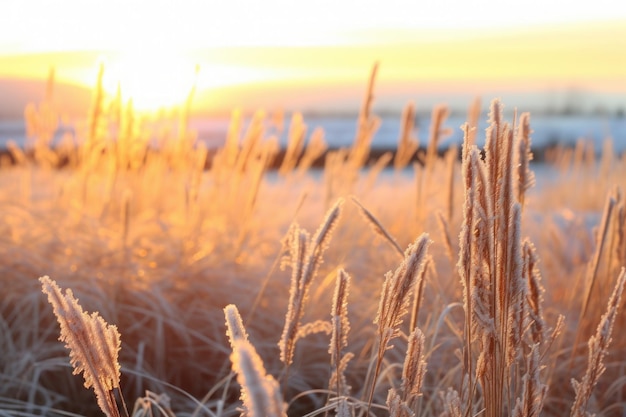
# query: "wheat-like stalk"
473, 115
466, 254
414, 369
436, 134
304, 257
418, 291
526, 178
260, 392
235, 329
295, 144
297, 251
534, 390
451, 404
598, 349
591, 275
367, 125
619, 230
340, 326
402, 402
377, 226
315, 148
445, 234
407, 143
96, 110
395, 405
498, 269
93, 345
395, 299
534, 300
451, 159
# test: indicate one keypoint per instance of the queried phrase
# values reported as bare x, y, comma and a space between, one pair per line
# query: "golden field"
416, 284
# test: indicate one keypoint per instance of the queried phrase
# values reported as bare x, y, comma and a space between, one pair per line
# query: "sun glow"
157, 79
248, 50
151, 79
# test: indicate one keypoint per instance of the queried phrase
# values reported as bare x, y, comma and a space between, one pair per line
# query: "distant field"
340, 130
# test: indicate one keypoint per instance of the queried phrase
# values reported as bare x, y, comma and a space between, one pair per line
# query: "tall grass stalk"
366, 127
592, 269
394, 303
340, 325
497, 269
295, 144
377, 227
260, 392
407, 142
93, 345
403, 403
598, 346
304, 258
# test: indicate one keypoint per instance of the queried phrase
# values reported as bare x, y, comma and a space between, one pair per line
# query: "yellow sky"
152, 47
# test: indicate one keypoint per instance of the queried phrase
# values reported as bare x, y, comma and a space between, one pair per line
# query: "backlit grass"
445, 285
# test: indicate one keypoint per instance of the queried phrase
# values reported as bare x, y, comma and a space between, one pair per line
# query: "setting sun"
151, 78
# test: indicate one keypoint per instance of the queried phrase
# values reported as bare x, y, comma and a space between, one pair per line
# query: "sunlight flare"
152, 79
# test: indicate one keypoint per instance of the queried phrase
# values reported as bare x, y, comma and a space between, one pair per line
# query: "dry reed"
598, 346
304, 257
502, 290
93, 345
377, 227
413, 371
394, 302
260, 392
340, 325
407, 143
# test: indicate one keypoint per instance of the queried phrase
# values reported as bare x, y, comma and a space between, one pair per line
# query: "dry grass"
167, 251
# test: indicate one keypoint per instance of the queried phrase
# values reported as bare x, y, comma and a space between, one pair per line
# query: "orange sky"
265, 53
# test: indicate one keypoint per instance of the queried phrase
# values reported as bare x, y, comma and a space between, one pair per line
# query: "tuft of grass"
304, 256
598, 346
93, 345
394, 302
260, 393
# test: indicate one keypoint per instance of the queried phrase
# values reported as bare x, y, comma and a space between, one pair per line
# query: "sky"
319, 53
